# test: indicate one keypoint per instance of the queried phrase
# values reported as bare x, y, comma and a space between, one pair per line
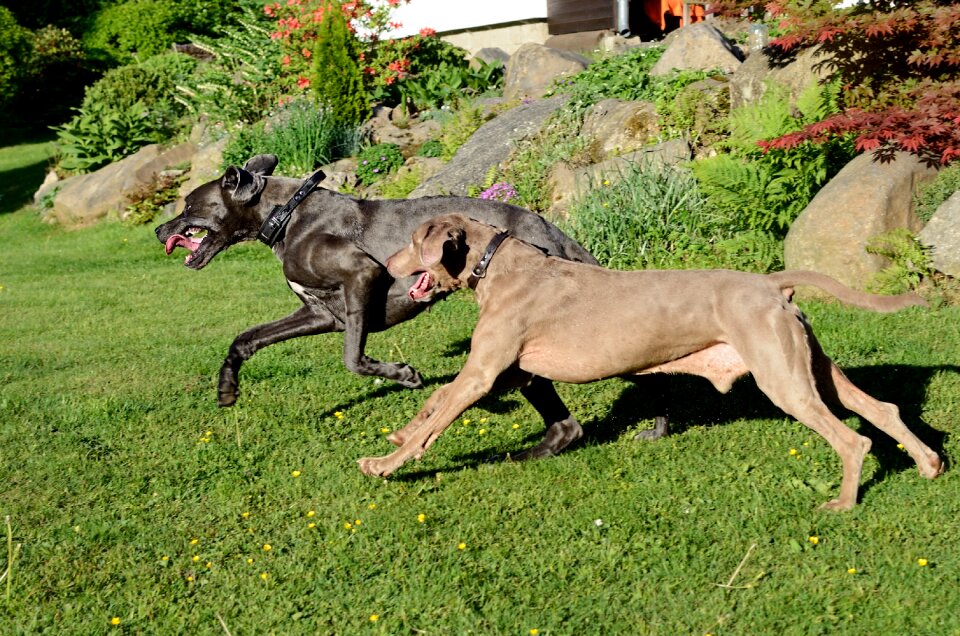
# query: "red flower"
389, 80
267, 9
306, 52
303, 82
286, 60
427, 32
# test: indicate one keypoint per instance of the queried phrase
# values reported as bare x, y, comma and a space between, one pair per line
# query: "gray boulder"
488, 147
942, 235
85, 199
864, 199
533, 68
751, 79
618, 127
699, 46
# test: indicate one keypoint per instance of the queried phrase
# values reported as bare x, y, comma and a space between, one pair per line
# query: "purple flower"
365, 162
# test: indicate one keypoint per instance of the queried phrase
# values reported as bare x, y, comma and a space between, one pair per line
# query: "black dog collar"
481, 268
274, 227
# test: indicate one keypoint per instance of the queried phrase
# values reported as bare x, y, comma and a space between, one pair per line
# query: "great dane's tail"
789, 279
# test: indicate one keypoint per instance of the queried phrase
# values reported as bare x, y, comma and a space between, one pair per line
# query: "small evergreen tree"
337, 76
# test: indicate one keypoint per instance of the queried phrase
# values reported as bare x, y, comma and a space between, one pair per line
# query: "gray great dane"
333, 251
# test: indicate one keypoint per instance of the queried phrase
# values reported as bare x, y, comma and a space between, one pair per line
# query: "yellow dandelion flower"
851, 570
482, 431
264, 575
374, 618
267, 547
249, 561
371, 506
164, 558
483, 420
311, 525
384, 429
516, 426
814, 539
196, 557
311, 513
900, 446
338, 415
194, 541
245, 515
466, 421
461, 546
357, 522
347, 525
421, 517
295, 473
922, 562
208, 434
190, 579
534, 631
794, 452
209, 565
115, 620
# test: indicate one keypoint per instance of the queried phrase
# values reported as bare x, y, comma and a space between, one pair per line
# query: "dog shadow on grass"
691, 401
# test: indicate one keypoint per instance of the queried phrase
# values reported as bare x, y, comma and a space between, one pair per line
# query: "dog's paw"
374, 467
409, 377
226, 399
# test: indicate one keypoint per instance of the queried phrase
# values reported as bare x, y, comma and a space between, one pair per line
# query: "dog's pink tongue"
179, 240
421, 287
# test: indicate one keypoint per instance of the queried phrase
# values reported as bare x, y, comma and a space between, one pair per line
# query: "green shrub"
424, 72
653, 216
909, 262
766, 191
137, 29
337, 79
302, 135
932, 194
376, 162
15, 50
238, 86
150, 200
431, 148
99, 135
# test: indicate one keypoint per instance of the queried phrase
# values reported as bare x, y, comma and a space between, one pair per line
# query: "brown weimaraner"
574, 322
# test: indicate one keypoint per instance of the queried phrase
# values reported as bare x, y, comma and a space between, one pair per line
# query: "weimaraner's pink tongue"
179, 240
421, 287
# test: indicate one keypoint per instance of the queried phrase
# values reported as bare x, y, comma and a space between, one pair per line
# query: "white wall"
453, 15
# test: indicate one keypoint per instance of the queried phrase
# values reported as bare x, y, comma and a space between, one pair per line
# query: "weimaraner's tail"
789, 279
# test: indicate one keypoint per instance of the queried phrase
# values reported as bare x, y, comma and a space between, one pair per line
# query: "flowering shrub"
378, 161
298, 24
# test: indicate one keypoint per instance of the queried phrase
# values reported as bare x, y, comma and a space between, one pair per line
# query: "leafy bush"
137, 29
765, 191
14, 53
376, 162
238, 86
910, 262
931, 194
655, 216
431, 148
150, 200
99, 135
302, 135
424, 72
336, 77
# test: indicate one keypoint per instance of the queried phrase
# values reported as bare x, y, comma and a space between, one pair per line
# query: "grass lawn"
131, 496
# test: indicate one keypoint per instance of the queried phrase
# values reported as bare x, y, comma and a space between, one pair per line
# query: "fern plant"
765, 191
909, 262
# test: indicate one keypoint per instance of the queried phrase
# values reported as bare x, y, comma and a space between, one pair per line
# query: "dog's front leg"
306, 321
359, 297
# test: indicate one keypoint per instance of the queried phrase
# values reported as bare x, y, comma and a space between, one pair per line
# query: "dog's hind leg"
777, 352
562, 427
885, 416
306, 321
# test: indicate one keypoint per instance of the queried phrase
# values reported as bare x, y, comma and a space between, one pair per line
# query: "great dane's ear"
262, 164
242, 186
437, 237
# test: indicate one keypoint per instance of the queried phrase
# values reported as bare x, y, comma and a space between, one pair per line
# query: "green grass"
22, 167
114, 459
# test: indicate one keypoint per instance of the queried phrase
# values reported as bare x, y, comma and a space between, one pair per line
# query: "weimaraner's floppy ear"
262, 164
242, 186
434, 241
